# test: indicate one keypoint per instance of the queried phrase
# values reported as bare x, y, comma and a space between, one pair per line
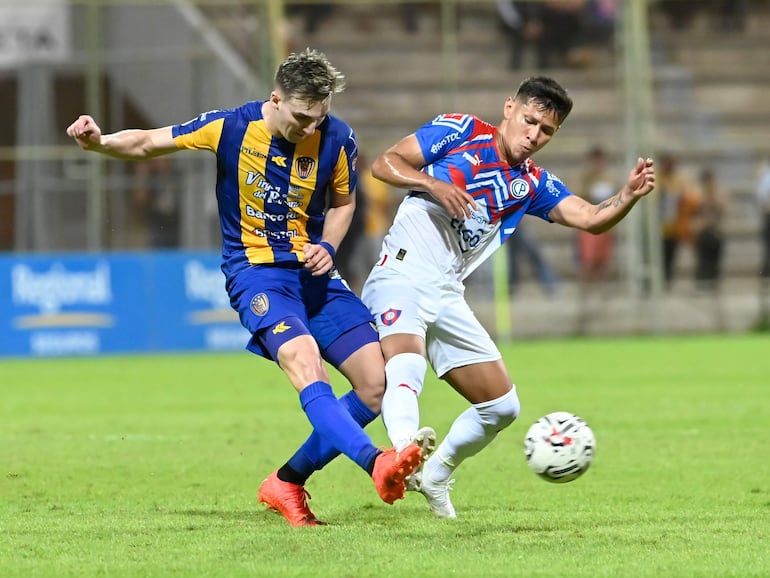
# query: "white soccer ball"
559, 447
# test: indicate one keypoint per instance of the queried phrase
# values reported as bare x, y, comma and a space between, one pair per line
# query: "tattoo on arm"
614, 201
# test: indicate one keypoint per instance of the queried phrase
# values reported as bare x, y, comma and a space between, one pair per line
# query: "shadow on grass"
235, 515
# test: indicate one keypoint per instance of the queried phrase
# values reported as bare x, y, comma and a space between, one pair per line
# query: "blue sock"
337, 430
316, 452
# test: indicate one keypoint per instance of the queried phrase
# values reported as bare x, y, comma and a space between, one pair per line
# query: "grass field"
148, 466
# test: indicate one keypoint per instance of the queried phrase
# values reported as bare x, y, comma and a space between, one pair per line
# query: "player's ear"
510, 103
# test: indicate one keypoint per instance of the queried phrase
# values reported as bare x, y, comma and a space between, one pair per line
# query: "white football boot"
437, 493
425, 438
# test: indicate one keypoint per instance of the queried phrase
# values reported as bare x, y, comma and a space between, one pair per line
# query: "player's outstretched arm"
578, 213
400, 166
131, 144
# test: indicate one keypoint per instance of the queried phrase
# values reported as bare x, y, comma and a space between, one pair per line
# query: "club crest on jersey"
304, 166
259, 304
519, 188
390, 316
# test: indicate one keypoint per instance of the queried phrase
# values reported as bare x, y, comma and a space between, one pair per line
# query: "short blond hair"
308, 76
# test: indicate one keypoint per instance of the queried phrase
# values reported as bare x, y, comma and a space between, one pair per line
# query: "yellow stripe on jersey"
253, 190
206, 138
340, 183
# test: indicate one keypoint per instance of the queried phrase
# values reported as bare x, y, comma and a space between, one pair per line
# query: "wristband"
329, 249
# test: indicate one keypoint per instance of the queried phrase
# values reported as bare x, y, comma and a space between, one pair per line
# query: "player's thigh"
365, 370
263, 298
349, 341
481, 381
300, 359
399, 304
462, 352
337, 312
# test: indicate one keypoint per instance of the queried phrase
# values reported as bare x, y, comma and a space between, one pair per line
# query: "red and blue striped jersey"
461, 148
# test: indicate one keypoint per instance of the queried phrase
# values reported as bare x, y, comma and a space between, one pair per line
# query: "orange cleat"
391, 468
290, 500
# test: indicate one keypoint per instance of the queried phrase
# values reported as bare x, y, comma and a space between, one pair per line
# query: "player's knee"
302, 366
406, 370
276, 340
298, 357
371, 390
364, 367
499, 413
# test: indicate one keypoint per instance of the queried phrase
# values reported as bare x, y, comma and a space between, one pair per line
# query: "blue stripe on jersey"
227, 189
461, 149
278, 170
272, 194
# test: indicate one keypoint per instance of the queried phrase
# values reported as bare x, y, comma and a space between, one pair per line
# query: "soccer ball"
559, 447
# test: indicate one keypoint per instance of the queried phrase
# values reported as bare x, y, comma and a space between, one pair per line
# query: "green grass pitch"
148, 466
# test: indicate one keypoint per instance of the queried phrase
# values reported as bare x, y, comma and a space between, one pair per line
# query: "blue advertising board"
88, 304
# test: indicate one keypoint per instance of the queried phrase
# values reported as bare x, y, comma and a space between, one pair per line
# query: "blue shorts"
264, 295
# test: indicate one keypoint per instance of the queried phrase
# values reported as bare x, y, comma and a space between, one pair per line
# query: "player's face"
526, 128
294, 119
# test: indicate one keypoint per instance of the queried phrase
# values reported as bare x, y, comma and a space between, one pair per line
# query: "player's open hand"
317, 259
86, 132
458, 203
641, 179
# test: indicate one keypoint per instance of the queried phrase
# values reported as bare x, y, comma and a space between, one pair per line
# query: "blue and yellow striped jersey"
272, 194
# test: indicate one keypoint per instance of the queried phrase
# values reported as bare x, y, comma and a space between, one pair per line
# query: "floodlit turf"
148, 466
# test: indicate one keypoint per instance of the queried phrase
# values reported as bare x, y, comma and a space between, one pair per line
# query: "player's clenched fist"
86, 132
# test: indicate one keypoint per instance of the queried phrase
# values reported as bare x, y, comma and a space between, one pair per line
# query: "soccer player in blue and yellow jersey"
286, 178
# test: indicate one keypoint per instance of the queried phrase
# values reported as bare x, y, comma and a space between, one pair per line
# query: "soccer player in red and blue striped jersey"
470, 183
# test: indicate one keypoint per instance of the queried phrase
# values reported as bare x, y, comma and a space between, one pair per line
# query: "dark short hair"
308, 76
547, 93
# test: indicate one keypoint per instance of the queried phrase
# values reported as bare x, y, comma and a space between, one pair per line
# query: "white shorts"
439, 314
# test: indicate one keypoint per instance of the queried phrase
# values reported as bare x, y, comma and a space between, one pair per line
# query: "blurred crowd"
693, 208
541, 34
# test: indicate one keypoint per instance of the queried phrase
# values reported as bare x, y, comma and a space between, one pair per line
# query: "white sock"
471, 432
404, 374
436, 469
